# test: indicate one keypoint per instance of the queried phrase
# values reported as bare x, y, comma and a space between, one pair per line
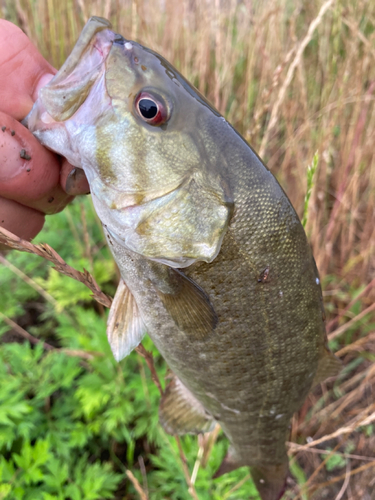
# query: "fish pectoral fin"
329, 366
125, 328
189, 306
270, 480
181, 413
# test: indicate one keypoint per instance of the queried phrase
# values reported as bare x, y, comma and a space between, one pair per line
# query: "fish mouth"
103, 48
117, 199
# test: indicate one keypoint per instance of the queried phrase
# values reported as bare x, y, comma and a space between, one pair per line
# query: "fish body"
214, 261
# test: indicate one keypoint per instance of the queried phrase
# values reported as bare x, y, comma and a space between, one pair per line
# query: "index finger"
22, 68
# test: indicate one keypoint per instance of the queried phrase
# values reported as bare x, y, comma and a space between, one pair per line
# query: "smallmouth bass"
214, 261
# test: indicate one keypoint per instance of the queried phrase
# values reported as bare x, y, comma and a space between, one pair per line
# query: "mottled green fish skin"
192, 194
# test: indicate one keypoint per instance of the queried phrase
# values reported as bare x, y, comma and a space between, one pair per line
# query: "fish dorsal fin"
329, 366
125, 328
181, 413
189, 306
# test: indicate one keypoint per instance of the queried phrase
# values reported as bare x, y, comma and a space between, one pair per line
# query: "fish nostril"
120, 40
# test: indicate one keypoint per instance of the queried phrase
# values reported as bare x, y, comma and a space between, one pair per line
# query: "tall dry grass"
246, 58
294, 77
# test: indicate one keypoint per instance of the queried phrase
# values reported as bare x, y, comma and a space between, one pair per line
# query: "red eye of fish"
151, 109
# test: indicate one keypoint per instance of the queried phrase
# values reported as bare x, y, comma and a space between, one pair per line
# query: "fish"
215, 264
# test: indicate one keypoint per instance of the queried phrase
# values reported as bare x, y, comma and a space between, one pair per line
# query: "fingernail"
14, 154
76, 182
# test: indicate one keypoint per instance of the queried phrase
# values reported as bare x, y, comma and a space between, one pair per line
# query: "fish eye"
151, 108
148, 108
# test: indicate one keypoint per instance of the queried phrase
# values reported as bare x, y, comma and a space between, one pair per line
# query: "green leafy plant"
72, 420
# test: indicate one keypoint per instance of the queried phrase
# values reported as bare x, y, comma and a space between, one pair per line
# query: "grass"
295, 78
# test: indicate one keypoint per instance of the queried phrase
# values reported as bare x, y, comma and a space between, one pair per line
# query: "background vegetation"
294, 77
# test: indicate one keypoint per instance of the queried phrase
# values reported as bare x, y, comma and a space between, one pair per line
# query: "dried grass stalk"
43, 250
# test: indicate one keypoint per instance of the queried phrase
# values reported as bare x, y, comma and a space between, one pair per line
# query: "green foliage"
299, 475
70, 425
168, 464
336, 461
44, 441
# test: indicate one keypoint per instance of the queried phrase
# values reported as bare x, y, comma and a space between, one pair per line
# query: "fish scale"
215, 265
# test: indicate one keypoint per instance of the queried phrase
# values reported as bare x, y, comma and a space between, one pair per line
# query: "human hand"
33, 180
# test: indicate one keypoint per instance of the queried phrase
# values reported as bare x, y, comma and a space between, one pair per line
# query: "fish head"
141, 133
